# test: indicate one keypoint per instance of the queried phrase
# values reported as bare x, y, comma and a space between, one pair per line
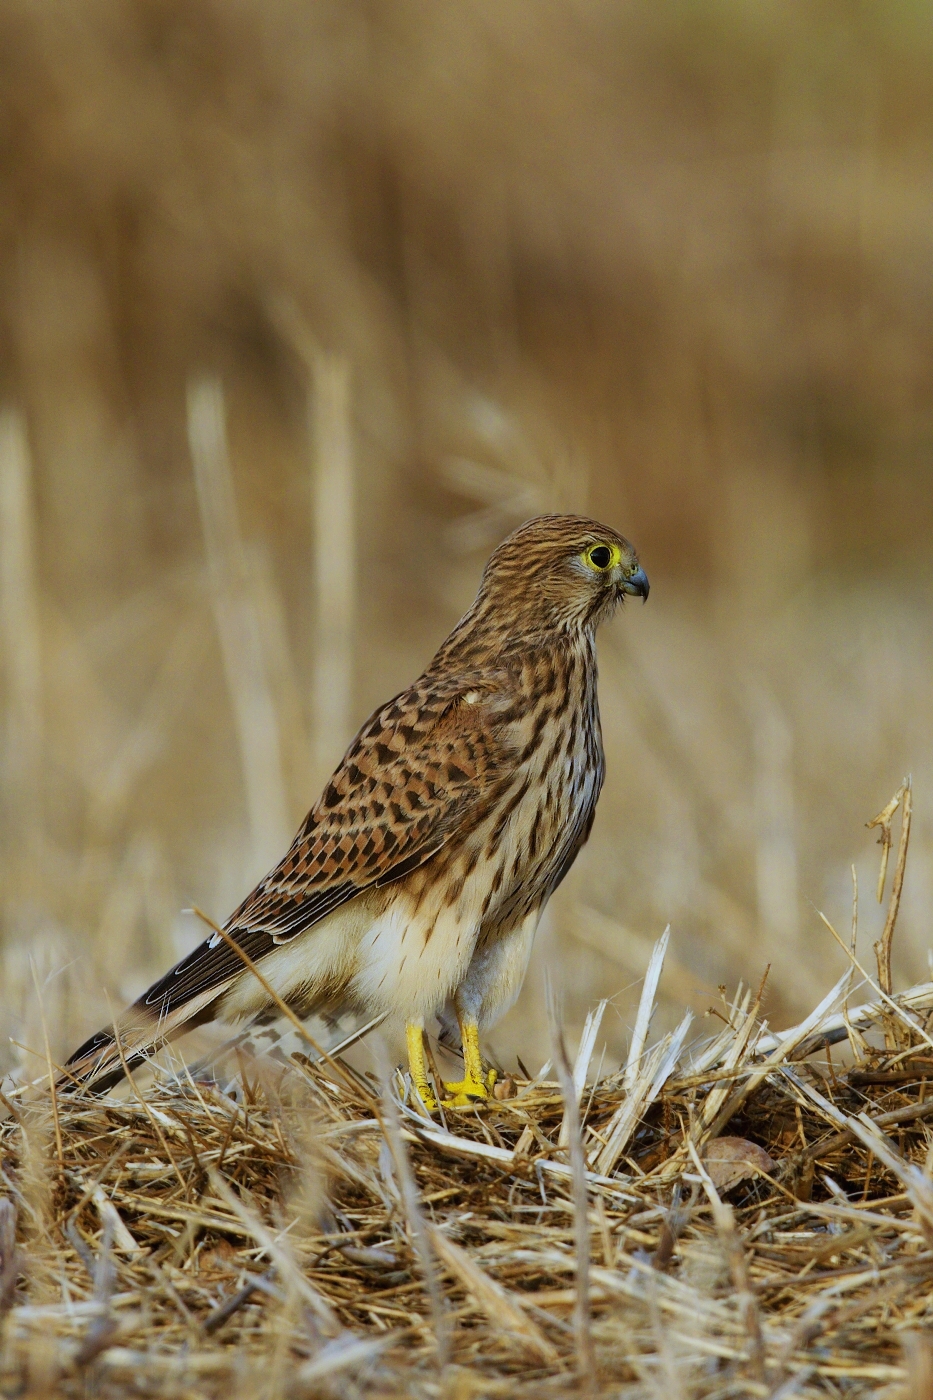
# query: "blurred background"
304, 306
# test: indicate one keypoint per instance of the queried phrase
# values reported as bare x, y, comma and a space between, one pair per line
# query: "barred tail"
98, 1064
186, 996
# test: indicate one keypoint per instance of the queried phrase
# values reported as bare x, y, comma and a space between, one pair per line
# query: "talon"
473, 1089
427, 1099
468, 1092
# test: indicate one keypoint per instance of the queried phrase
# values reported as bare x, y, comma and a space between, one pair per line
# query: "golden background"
304, 306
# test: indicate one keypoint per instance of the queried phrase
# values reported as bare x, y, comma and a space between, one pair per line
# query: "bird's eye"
601, 557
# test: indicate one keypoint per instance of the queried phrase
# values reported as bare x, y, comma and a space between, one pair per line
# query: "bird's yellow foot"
417, 1063
471, 1091
476, 1085
426, 1095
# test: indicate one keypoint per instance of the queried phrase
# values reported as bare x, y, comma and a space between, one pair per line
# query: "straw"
173, 1253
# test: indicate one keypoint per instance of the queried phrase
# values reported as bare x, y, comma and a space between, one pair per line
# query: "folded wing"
416, 772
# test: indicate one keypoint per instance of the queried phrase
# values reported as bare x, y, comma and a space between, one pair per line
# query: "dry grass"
755, 1211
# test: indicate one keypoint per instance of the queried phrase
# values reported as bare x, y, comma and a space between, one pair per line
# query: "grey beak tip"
638, 585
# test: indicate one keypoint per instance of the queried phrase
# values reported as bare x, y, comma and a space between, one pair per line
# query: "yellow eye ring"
602, 557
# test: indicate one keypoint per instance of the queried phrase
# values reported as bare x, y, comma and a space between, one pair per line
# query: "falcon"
414, 887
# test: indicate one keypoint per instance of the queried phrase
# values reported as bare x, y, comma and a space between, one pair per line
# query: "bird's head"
560, 572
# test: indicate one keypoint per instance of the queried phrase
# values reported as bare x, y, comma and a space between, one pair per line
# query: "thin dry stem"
884, 945
419, 1234
48, 1057
582, 1318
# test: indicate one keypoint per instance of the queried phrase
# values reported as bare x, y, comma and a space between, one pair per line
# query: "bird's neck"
480, 640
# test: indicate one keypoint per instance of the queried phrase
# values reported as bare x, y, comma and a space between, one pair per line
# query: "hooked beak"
637, 583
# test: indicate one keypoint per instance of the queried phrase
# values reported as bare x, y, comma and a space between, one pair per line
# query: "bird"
413, 888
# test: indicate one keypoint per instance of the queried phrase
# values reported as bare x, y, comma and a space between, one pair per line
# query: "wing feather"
407, 781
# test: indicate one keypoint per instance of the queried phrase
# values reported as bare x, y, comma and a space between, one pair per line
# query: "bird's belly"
416, 953
401, 951
311, 971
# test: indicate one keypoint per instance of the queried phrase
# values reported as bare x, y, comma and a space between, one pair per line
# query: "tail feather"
98, 1064
184, 997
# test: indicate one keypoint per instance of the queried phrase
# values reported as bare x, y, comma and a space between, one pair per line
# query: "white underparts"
406, 961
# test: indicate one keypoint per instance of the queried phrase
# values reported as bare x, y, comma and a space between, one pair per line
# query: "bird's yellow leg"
476, 1084
417, 1064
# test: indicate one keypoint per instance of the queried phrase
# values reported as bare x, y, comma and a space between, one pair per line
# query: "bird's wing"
416, 772
404, 785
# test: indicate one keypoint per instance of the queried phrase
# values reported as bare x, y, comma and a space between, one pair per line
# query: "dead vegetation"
740, 1214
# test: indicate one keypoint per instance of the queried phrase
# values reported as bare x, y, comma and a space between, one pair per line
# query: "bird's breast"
545, 809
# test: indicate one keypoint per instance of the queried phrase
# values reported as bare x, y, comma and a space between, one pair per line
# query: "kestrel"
414, 887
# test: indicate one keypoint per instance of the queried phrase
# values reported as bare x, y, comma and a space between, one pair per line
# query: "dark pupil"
601, 556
